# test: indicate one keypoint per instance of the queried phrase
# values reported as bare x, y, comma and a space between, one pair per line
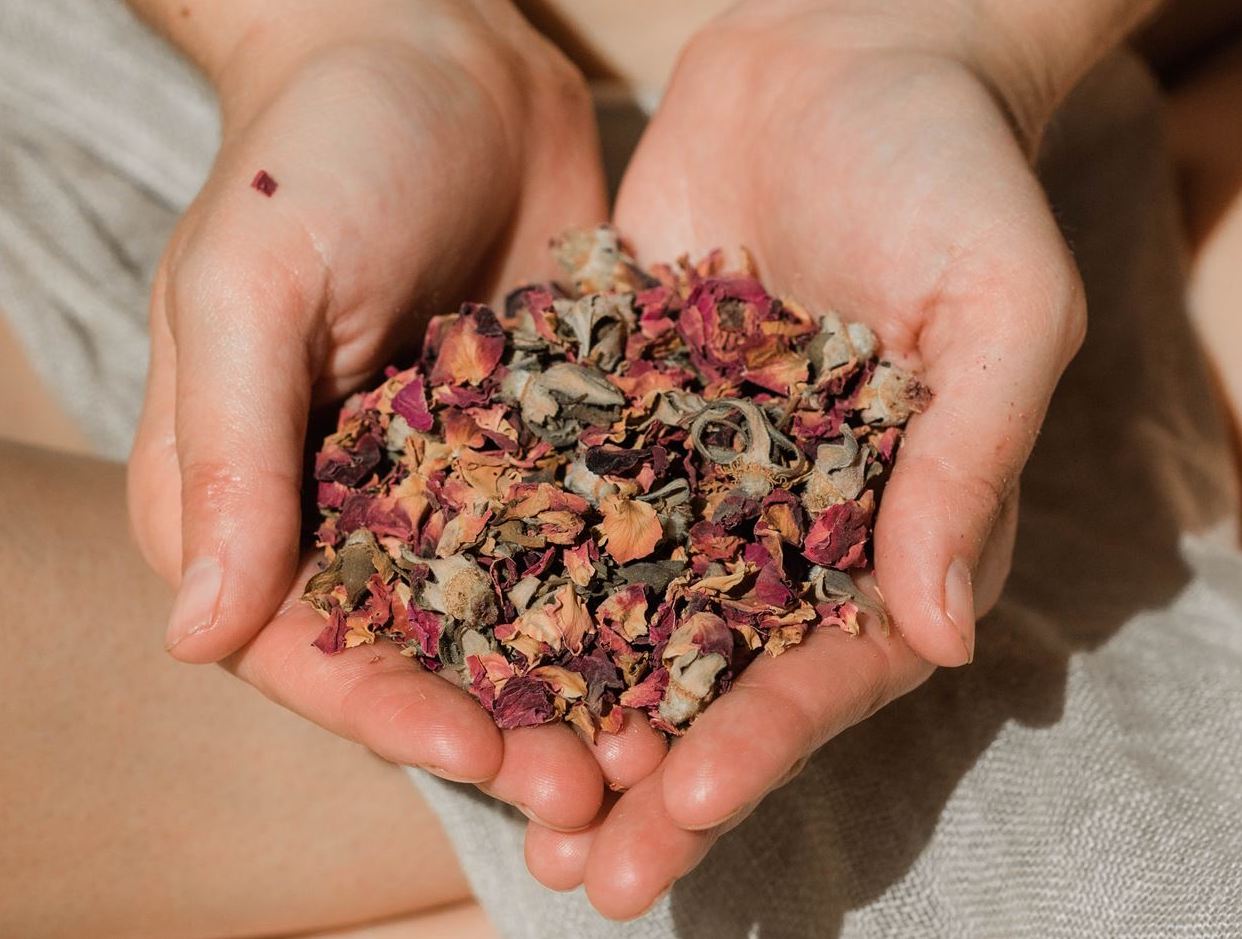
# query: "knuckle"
233, 288
875, 687
562, 80
984, 498
213, 484
223, 273
968, 484
220, 486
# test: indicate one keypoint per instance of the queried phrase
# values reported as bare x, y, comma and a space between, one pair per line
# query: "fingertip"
557, 859
921, 579
444, 756
195, 614
631, 754
548, 773
374, 695
692, 796
937, 641
639, 853
240, 545
218, 609
959, 604
625, 892
425, 721
920, 612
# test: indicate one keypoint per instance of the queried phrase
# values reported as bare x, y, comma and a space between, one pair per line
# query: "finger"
373, 695
779, 711
242, 323
639, 851
550, 776
999, 336
557, 859
630, 754
747, 743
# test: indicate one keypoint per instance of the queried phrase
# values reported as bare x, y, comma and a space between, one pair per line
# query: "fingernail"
530, 813
959, 604
442, 773
196, 601
534, 817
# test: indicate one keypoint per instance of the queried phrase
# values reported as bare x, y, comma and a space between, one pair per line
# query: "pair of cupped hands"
872, 163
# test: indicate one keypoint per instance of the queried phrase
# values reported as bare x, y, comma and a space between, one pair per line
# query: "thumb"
992, 357
243, 388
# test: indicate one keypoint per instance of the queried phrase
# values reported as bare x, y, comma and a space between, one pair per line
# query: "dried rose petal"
630, 529
411, 403
615, 494
471, 348
839, 536
264, 183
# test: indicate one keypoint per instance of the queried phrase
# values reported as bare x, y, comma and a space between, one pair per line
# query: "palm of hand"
889, 186
264, 305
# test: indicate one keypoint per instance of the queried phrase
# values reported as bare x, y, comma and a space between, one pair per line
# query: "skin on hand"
421, 151
412, 717
884, 178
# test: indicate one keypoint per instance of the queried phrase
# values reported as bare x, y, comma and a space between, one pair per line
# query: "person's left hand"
867, 163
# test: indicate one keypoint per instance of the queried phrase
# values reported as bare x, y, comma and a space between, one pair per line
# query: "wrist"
281, 36
248, 50
1028, 54
1032, 55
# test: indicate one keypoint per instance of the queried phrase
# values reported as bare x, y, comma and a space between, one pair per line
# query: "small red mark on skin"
185, 12
264, 183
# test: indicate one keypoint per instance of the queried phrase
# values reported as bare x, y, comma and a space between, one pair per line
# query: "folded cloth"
1082, 778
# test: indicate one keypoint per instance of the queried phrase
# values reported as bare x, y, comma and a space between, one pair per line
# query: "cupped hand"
415, 157
873, 168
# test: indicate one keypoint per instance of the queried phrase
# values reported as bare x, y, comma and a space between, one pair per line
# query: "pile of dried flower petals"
617, 492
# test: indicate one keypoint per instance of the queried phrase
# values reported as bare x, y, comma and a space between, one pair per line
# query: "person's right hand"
421, 150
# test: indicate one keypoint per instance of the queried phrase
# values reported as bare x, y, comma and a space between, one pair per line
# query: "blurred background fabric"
105, 137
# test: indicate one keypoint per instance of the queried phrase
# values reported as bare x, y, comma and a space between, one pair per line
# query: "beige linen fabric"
1082, 778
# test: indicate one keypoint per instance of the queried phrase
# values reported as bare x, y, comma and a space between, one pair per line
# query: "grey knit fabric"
1082, 778
105, 136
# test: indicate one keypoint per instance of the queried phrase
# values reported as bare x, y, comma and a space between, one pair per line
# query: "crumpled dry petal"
614, 493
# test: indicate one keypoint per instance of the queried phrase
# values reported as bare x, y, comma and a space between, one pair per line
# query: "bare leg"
27, 413
143, 797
